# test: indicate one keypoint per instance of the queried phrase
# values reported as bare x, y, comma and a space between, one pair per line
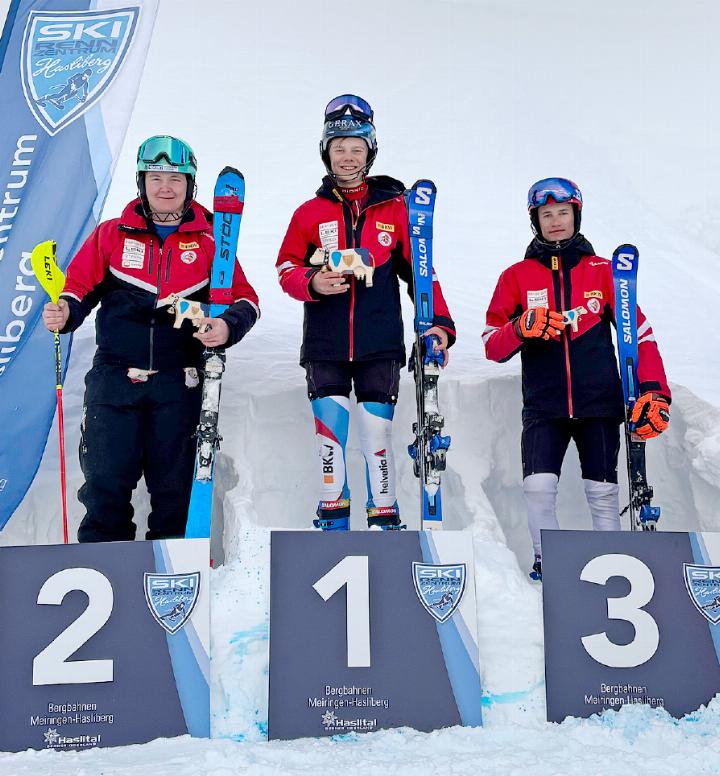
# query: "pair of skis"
429, 448
643, 514
228, 201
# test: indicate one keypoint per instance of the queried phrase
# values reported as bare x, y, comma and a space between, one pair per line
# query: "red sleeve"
651, 371
89, 265
242, 290
293, 274
501, 341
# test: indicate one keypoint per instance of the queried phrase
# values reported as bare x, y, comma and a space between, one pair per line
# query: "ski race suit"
571, 386
142, 398
356, 336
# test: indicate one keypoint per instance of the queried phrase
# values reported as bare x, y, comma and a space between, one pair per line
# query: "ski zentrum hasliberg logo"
69, 59
703, 587
440, 588
171, 598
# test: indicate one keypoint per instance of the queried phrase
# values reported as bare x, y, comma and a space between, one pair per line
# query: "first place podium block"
372, 630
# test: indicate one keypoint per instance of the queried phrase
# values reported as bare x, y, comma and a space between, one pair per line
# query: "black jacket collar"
570, 254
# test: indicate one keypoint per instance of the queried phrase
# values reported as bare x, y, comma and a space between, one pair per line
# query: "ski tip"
626, 248
425, 183
233, 171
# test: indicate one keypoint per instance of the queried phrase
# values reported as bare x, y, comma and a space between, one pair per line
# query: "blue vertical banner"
69, 75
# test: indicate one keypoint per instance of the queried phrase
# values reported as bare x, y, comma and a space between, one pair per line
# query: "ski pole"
52, 279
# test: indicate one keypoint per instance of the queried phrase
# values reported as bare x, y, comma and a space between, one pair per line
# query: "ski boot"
333, 515
536, 573
384, 518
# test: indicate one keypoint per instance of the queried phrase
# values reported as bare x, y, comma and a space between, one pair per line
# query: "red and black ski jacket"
577, 375
124, 266
365, 322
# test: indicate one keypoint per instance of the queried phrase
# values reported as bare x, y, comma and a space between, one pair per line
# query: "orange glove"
539, 322
650, 415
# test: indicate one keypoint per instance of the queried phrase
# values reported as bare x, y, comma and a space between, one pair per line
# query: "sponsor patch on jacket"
133, 255
329, 235
593, 295
593, 305
188, 257
384, 227
189, 246
537, 298
384, 239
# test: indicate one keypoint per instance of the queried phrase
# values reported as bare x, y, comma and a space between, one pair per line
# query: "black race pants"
133, 429
376, 380
544, 443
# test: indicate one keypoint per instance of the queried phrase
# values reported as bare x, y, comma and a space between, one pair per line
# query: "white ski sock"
604, 502
540, 496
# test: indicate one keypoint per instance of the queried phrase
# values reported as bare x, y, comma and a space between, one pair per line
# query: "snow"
483, 97
634, 740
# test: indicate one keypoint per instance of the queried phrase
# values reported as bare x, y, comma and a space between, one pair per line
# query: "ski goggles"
356, 106
173, 151
560, 189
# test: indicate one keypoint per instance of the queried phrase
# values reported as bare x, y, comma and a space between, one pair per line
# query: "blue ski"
228, 207
625, 267
429, 448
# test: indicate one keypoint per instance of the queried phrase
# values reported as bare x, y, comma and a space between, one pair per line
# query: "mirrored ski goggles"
173, 151
356, 106
560, 189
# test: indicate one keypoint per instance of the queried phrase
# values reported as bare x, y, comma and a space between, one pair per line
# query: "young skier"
556, 308
142, 398
353, 331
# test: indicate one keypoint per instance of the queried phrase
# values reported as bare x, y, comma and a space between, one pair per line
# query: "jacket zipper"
350, 233
157, 297
566, 341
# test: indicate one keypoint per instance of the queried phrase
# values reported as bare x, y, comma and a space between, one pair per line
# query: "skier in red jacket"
142, 398
342, 256
556, 308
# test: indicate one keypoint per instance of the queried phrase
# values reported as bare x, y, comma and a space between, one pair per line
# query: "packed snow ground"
484, 97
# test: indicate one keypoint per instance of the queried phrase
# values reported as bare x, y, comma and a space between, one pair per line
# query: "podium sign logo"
440, 588
171, 598
703, 587
69, 59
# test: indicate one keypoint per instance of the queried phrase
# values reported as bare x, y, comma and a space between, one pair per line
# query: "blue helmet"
559, 190
348, 116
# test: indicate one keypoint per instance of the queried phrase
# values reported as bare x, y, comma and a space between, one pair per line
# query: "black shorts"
377, 380
544, 443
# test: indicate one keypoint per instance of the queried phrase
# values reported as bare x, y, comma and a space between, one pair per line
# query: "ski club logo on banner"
703, 587
171, 598
69, 59
440, 588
